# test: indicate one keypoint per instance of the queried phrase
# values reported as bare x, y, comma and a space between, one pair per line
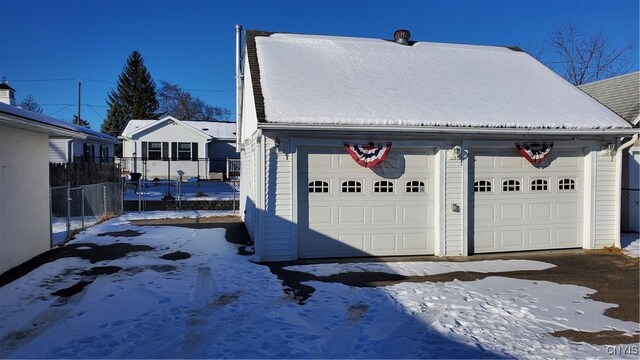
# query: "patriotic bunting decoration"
368, 155
534, 153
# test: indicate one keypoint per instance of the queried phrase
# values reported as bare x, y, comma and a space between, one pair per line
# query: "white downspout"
238, 89
621, 149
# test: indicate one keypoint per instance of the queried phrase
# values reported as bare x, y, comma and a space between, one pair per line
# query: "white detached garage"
366, 147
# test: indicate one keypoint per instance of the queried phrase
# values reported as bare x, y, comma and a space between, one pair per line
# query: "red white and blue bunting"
368, 155
535, 153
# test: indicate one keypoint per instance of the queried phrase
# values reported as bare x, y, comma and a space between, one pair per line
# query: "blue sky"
191, 43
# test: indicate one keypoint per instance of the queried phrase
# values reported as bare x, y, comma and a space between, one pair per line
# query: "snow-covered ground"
217, 304
630, 244
196, 190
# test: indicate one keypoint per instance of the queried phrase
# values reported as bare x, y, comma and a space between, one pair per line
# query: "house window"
184, 151
351, 186
511, 186
155, 151
539, 185
482, 186
318, 186
104, 154
566, 184
415, 186
383, 187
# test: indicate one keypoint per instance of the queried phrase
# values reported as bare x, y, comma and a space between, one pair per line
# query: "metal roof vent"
402, 36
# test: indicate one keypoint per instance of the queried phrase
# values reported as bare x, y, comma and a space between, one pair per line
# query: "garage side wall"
606, 229
248, 183
24, 196
278, 226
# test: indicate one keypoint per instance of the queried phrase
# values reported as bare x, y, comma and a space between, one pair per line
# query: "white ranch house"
453, 183
25, 224
160, 148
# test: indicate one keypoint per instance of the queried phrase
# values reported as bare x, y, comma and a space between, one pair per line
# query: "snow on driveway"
210, 302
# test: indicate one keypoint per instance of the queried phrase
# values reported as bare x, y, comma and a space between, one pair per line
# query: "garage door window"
511, 186
566, 184
482, 186
539, 185
351, 186
383, 187
415, 186
318, 187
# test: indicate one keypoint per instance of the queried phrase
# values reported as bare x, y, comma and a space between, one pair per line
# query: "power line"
59, 110
103, 106
94, 110
111, 83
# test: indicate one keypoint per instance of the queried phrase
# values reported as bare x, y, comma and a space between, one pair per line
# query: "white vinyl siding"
278, 199
59, 150
248, 186
453, 188
605, 201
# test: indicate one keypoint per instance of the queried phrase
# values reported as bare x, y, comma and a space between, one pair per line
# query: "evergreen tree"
135, 97
29, 103
82, 122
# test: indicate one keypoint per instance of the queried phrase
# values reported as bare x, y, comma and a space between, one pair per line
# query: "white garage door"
348, 210
517, 206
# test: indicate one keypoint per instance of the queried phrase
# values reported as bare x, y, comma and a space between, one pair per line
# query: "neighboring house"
95, 147
25, 225
621, 94
453, 181
159, 148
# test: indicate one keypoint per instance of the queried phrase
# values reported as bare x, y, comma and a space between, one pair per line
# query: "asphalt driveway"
614, 276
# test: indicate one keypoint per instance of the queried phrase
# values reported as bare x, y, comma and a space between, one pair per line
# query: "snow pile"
339, 80
630, 244
423, 268
210, 302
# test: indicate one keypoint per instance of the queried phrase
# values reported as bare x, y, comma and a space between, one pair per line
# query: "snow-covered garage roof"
216, 129
330, 80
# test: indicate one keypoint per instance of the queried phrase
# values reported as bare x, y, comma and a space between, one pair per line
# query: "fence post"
122, 197
83, 198
50, 217
68, 211
234, 195
104, 199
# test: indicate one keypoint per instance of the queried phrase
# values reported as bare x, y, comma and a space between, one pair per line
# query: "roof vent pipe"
402, 36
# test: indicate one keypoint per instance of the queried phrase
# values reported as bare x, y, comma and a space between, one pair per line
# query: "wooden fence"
83, 173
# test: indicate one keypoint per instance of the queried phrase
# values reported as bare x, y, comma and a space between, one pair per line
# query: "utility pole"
79, 86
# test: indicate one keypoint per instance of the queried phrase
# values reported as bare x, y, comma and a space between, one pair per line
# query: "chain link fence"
630, 211
176, 195
76, 208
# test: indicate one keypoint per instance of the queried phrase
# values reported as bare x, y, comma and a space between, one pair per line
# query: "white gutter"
619, 153
41, 127
448, 130
238, 88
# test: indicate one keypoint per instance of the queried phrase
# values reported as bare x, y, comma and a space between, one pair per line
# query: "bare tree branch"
586, 58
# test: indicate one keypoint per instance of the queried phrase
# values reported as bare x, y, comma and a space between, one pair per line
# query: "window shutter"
144, 150
174, 151
165, 151
100, 153
194, 151
93, 153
